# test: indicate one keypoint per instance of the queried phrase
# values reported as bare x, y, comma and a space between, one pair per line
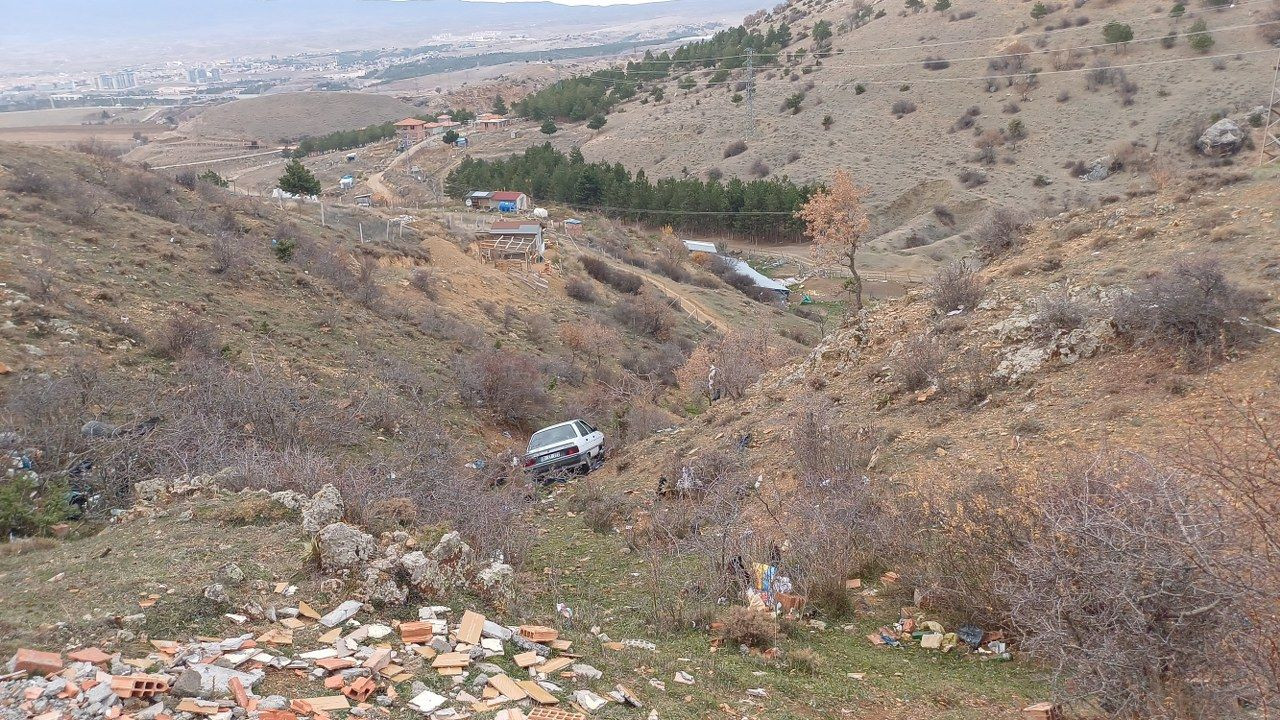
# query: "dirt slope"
292, 115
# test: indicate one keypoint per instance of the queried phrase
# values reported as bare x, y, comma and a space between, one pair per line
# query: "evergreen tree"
499, 105
213, 178
596, 122
450, 137
548, 127
298, 180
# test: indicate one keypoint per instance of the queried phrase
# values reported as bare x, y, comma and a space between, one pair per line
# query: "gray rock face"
216, 593
324, 509
497, 582
1100, 169
289, 499
344, 547
1222, 138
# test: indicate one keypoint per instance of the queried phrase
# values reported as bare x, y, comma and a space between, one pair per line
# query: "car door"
592, 437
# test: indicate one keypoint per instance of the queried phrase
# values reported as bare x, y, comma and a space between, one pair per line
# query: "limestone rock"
1222, 138
344, 547
324, 509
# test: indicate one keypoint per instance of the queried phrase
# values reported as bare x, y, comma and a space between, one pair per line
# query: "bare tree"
835, 219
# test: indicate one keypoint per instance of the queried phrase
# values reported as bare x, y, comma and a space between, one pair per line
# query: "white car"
571, 446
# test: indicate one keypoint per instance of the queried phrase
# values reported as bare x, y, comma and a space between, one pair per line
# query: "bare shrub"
1000, 231
902, 107
184, 335
936, 62
737, 147
30, 179
620, 280
728, 366
508, 384
581, 289
759, 168
645, 314
149, 194
1058, 310
753, 628
672, 269
956, 287
1115, 594
186, 179
918, 363
227, 251
590, 340
425, 282
1193, 307
829, 455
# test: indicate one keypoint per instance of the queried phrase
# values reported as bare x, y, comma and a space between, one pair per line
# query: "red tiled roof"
410, 122
507, 195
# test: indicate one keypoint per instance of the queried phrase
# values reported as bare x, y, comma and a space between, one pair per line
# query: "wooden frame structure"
498, 249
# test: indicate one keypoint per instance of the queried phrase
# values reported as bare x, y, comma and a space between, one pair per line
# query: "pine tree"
499, 105
298, 180
596, 122
548, 127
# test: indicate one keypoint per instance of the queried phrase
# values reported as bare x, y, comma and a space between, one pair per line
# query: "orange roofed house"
411, 130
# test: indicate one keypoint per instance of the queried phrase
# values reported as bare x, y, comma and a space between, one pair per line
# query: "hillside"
271, 118
920, 106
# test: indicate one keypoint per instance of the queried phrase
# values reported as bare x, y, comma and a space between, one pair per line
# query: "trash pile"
914, 628
468, 667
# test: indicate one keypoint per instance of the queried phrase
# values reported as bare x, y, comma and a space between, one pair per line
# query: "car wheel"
598, 460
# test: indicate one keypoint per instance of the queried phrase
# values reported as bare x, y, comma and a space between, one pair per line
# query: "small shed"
491, 121
699, 246
347, 182
520, 200
479, 199
573, 227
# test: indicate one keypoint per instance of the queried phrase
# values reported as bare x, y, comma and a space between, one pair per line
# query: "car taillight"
529, 461
573, 450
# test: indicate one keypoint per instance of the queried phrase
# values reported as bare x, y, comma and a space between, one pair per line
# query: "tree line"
579, 98
550, 175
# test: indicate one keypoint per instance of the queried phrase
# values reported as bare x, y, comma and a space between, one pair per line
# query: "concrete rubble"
454, 664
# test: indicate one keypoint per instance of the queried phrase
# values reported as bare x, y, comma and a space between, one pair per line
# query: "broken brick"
360, 689
89, 655
139, 686
36, 661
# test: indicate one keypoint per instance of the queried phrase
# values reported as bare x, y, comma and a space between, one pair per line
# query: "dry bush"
228, 254
659, 363
759, 168
737, 147
672, 269
805, 660
620, 280
148, 193
1000, 231
425, 282
755, 629
580, 288
1118, 593
444, 325
30, 179
185, 335
645, 314
902, 107
1058, 310
936, 62
956, 287
599, 508
919, 363
507, 383
1193, 307
590, 340
47, 412
827, 454
728, 366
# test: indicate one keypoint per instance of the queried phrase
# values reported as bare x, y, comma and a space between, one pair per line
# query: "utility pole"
751, 91
1270, 149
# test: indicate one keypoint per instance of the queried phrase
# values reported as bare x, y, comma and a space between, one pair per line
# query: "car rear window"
551, 436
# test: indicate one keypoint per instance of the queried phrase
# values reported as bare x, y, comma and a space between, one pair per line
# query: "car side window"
590, 428
582, 428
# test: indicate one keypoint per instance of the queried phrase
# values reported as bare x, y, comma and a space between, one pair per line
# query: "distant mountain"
82, 34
